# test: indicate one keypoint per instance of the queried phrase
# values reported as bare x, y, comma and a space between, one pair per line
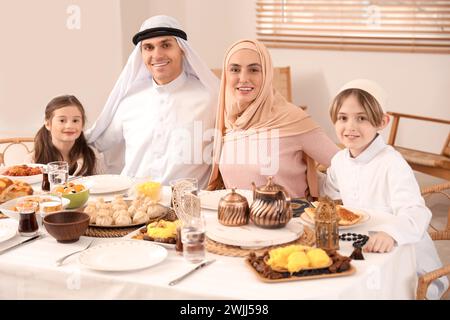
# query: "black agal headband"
158, 32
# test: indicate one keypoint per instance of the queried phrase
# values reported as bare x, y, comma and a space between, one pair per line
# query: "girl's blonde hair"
366, 100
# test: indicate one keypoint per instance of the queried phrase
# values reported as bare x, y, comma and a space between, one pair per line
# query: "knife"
201, 265
20, 243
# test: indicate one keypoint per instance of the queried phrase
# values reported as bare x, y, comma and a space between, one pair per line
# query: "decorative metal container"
233, 209
271, 207
326, 221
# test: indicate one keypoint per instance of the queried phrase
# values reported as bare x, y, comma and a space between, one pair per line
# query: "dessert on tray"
297, 262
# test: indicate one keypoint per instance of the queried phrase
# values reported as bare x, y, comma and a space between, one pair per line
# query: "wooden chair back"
437, 165
26, 144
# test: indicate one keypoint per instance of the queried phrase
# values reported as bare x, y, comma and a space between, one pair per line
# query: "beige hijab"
268, 111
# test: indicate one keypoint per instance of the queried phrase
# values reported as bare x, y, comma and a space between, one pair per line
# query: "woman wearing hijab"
259, 133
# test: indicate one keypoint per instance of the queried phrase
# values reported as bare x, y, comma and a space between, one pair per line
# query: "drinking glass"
193, 239
28, 225
49, 205
58, 173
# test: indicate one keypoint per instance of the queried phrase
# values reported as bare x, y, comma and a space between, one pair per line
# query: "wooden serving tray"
349, 272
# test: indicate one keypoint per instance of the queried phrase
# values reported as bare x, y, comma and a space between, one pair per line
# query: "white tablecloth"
29, 272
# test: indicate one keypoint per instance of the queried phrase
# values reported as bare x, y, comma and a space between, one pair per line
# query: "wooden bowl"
66, 226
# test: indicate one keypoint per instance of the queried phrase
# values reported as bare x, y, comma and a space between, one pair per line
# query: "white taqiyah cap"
370, 87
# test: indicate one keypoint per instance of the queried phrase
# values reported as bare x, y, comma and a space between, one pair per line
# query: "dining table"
29, 271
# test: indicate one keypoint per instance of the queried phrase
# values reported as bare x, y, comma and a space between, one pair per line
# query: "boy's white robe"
380, 180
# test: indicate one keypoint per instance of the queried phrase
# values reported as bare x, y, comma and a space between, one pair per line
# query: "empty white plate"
122, 255
8, 229
251, 236
106, 183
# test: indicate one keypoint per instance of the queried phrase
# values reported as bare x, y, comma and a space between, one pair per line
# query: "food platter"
163, 209
365, 217
8, 207
349, 272
136, 236
31, 179
337, 266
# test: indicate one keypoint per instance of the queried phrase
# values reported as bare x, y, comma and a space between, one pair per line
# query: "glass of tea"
28, 226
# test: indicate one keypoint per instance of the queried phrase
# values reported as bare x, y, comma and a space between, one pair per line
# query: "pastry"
13, 189
346, 217
123, 220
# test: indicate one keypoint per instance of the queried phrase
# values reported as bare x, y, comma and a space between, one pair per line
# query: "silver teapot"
271, 207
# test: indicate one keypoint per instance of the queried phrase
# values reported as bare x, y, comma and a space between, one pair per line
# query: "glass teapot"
271, 207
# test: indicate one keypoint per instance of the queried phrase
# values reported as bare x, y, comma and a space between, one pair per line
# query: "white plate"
37, 178
122, 255
251, 236
365, 217
8, 229
210, 199
106, 183
6, 207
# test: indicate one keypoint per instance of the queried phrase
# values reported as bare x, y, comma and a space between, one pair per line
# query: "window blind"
376, 25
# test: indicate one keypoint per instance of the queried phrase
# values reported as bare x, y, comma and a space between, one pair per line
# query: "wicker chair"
425, 279
7, 143
281, 81
437, 165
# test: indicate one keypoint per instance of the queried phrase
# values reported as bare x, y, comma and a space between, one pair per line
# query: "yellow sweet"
278, 258
150, 189
318, 258
162, 229
294, 258
297, 261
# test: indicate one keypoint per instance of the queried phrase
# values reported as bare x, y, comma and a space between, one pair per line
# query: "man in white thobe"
156, 119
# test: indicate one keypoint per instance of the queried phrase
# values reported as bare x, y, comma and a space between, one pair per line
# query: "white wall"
41, 58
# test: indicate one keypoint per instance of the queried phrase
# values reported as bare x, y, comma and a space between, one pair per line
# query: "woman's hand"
379, 242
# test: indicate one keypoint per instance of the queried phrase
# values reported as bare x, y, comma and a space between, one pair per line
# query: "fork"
60, 261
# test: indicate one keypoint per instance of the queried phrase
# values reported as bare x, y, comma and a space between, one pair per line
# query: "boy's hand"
379, 242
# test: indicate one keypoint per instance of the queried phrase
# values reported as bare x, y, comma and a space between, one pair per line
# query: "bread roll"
13, 189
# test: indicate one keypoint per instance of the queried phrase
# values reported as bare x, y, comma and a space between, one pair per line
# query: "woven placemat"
108, 232
307, 239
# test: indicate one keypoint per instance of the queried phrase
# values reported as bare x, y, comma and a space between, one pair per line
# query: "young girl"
61, 137
371, 175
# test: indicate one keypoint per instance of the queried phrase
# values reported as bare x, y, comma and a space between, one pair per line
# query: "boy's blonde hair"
370, 105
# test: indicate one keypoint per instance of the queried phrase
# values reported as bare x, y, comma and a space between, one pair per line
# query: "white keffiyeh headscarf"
135, 72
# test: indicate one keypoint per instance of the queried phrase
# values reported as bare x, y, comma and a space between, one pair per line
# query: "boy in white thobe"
371, 175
